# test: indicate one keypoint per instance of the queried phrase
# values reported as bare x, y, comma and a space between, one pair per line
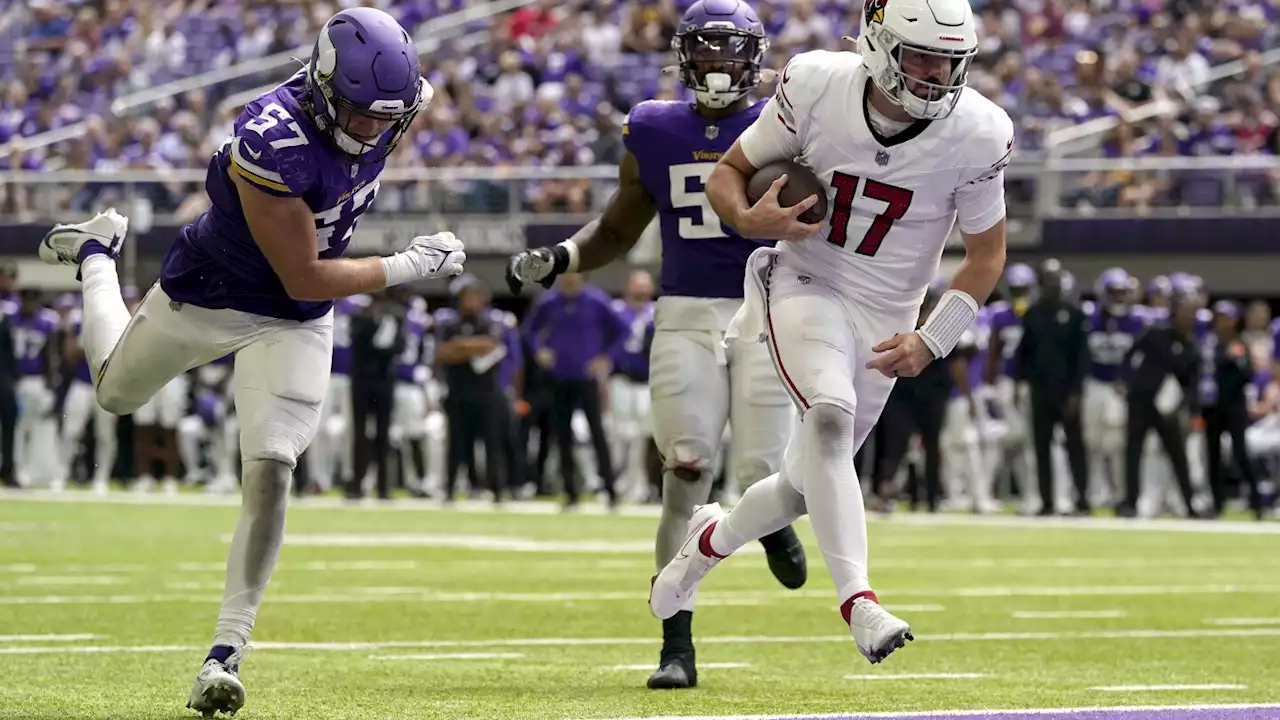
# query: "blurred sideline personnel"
1053, 356
1114, 324
470, 347
695, 385
378, 337
410, 407
629, 418
916, 406
8, 376
1016, 454
1163, 372
574, 333
907, 150
256, 275
1229, 413
331, 461
36, 448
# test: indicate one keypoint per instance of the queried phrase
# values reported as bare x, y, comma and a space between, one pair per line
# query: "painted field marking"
68, 580
50, 638
1144, 711
701, 666
645, 641
1243, 621
1171, 688
1068, 614
918, 676
452, 656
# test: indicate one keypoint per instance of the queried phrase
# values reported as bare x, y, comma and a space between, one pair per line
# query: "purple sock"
220, 653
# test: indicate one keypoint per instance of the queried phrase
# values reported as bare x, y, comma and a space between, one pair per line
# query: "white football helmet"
927, 30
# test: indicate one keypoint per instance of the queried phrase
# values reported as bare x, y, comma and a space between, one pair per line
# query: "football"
801, 183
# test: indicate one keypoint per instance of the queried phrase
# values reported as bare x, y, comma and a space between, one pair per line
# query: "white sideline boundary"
1121, 710
706, 640
1227, 527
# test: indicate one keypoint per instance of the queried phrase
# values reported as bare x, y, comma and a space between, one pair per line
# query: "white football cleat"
64, 244
876, 631
218, 687
676, 582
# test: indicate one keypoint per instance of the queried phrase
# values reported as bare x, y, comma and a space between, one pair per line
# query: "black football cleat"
785, 554
674, 673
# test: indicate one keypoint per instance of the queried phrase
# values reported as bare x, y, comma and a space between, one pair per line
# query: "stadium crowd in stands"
549, 83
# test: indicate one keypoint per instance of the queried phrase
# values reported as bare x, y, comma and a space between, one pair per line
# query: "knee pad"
693, 455
831, 427
751, 470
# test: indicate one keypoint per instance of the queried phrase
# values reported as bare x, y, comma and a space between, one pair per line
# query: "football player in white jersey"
906, 150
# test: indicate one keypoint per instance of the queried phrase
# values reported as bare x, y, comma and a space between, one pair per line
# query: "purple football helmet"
1158, 291
364, 75
1019, 283
1113, 288
720, 45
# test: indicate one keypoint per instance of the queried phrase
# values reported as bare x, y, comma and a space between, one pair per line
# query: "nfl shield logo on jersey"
713, 132
882, 158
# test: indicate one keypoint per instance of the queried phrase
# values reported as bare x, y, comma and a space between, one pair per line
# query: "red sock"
704, 542
846, 609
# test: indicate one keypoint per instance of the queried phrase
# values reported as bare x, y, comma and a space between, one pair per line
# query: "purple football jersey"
416, 323
82, 367
514, 359
342, 311
1110, 338
676, 150
31, 334
632, 359
277, 148
1007, 325
1275, 339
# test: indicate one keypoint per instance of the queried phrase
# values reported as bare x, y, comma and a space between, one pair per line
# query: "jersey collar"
913, 130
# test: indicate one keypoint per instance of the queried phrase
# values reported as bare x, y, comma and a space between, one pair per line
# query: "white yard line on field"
69, 580
451, 656
1068, 614
1123, 710
50, 638
359, 595
918, 676
1170, 688
1235, 622
650, 667
649, 511
1245, 633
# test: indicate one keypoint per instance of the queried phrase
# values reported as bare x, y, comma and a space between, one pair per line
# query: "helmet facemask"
720, 65
926, 82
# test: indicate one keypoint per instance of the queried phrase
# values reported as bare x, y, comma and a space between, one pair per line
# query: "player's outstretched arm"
628, 212
284, 229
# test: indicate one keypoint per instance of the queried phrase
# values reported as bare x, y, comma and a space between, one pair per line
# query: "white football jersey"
891, 201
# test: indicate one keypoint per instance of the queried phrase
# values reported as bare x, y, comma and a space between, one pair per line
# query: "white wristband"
950, 318
572, 248
399, 268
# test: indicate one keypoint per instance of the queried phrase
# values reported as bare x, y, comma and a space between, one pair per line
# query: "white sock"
105, 315
834, 497
254, 549
765, 508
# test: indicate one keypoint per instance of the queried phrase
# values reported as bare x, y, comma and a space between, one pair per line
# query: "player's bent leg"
761, 413
162, 340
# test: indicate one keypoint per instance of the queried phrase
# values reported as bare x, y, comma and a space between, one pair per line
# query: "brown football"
801, 183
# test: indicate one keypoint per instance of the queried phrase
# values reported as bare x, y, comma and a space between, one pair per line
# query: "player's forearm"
338, 278
600, 244
978, 275
727, 193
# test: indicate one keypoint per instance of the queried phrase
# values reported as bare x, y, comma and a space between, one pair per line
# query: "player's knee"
115, 402
267, 482
751, 470
689, 458
832, 427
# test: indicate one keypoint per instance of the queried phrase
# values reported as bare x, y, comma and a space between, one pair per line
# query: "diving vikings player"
695, 386
257, 275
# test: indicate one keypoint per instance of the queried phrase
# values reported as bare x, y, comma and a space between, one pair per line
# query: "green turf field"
106, 610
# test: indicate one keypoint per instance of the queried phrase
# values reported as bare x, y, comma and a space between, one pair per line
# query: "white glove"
427, 257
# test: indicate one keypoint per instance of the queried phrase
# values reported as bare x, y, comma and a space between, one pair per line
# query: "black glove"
542, 266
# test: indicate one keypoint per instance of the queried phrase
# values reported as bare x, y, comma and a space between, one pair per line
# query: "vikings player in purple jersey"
1114, 325
257, 275
1005, 334
695, 386
630, 425
36, 444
